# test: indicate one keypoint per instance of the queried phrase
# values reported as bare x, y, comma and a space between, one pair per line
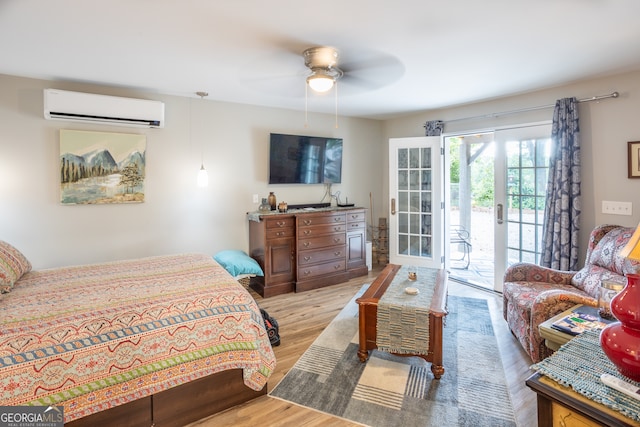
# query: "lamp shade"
632, 249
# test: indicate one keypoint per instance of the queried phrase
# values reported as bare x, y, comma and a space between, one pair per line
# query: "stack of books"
580, 319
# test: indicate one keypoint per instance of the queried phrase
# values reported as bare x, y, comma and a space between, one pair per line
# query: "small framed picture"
634, 159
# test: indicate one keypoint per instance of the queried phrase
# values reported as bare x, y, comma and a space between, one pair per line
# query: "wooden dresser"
303, 250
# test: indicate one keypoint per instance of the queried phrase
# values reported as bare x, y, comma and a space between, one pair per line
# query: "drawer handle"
337, 228
336, 219
279, 233
307, 222
306, 272
355, 225
337, 253
354, 216
337, 266
307, 258
281, 223
306, 244
307, 232
337, 240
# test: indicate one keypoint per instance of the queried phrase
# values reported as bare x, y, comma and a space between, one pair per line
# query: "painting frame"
101, 167
633, 157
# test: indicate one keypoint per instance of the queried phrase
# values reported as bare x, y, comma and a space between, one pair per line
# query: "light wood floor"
302, 316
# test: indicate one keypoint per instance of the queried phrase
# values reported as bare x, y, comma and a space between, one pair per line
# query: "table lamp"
621, 341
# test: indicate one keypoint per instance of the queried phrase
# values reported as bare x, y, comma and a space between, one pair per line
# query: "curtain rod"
524, 110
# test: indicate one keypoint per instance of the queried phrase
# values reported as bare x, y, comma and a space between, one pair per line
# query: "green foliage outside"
523, 190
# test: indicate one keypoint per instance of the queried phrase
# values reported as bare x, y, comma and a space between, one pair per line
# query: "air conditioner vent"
93, 108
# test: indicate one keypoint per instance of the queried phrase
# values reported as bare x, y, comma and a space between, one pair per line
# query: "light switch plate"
617, 208
256, 199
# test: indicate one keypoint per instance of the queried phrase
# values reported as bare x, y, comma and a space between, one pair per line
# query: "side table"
554, 338
561, 406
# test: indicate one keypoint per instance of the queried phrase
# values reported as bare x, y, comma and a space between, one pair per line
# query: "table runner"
403, 319
579, 363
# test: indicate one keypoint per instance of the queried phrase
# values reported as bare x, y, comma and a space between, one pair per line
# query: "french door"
496, 195
522, 166
415, 205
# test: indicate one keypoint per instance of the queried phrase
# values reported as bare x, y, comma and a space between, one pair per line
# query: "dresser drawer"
310, 220
319, 230
356, 216
287, 222
277, 233
309, 271
356, 225
322, 241
322, 255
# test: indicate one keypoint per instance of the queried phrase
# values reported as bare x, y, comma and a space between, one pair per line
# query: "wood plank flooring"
302, 316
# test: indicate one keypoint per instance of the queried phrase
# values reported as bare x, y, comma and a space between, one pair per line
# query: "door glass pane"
403, 244
414, 158
426, 158
526, 187
426, 179
403, 158
415, 201
403, 201
403, 222
403, 180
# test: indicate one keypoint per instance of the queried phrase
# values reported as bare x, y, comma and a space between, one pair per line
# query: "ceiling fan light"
320, 82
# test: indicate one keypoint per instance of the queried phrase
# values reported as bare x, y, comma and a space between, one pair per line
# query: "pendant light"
203, 176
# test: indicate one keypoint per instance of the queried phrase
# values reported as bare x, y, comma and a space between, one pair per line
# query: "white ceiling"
399, 57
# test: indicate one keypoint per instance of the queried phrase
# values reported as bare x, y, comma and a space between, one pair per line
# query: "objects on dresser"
264, 206
272, 200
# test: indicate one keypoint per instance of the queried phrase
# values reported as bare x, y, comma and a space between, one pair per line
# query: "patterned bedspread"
93, 337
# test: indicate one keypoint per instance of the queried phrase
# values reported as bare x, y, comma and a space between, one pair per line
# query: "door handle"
393, 206
500, 213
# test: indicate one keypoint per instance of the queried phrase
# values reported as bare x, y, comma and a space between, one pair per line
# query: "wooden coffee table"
368, 313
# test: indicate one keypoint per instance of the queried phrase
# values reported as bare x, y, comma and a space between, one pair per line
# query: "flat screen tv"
297, 159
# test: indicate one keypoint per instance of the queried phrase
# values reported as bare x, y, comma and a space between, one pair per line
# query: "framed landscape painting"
101, 167
633, 156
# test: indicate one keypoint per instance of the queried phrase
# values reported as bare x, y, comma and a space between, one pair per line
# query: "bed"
159, 341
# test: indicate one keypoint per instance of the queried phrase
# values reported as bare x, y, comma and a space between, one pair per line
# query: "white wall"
605, 128
176, 215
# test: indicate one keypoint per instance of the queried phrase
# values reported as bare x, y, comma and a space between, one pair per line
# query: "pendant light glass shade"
203, 177
320, 83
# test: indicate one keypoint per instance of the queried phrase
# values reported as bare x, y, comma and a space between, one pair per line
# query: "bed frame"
179, 405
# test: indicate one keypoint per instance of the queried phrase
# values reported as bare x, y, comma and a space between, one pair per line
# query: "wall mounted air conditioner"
104, 109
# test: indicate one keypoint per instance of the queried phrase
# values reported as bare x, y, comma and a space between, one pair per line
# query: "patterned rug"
390, 390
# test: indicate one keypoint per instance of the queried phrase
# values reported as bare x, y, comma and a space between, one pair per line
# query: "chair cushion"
605, 262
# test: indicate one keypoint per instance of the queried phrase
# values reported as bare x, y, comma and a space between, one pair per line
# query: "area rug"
389, 390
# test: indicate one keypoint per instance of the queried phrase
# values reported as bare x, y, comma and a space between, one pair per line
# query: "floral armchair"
533, 294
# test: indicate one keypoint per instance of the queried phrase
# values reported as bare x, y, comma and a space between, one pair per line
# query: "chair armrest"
552, 302
526, 272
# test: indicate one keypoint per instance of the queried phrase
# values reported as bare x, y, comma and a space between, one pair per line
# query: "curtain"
434, 128
563, 202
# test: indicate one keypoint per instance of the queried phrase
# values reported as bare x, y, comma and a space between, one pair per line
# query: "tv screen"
297, 159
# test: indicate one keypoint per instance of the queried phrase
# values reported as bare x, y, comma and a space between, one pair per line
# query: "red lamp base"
621, 344
621, 341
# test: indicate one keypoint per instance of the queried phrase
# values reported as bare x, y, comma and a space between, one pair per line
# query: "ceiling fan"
323, 63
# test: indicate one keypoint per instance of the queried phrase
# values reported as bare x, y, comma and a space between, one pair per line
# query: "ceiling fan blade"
370, 70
